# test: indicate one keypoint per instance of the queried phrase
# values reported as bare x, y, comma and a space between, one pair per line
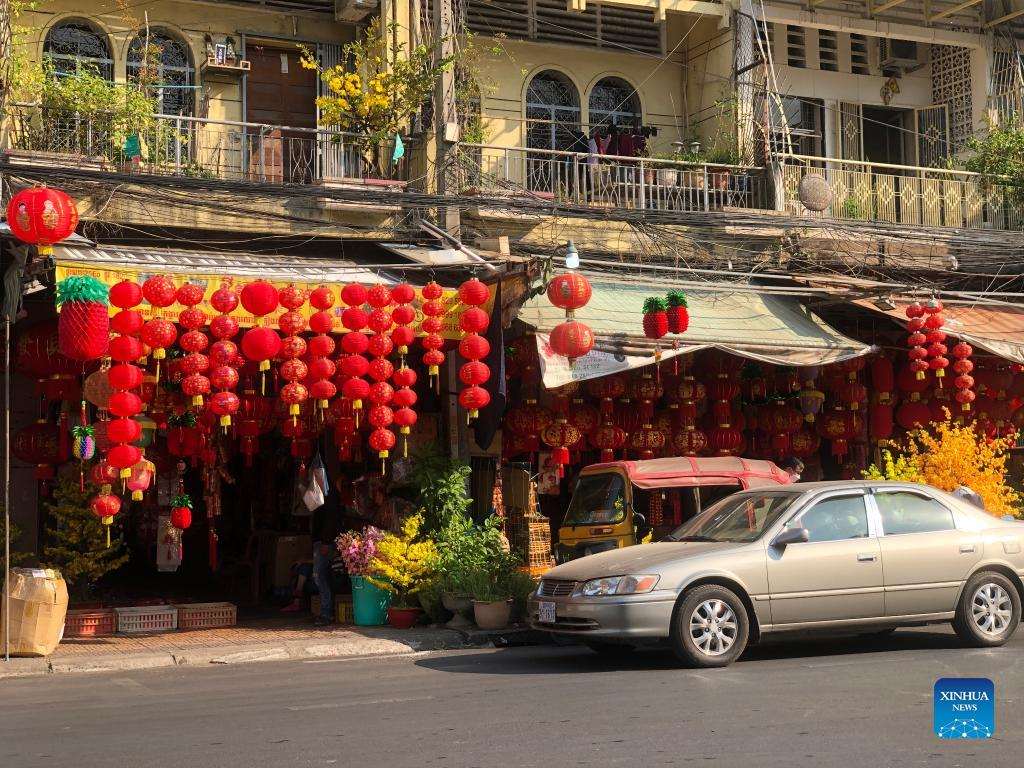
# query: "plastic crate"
89, 622
206, 615
342, 608
156, 618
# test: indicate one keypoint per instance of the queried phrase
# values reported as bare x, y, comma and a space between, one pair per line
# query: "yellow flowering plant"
380, 85
948, 455
404, 563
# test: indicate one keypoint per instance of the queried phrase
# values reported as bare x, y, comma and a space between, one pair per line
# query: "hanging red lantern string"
403, 315
964, 381
293, 347
260, 344
223, 356
381, 370
404, 399
124, 404
936, 338
571, 339
355, 343
105, 506
916, 340
195, 364
473, 321
433, 311
83, 327
42, 216
322, 369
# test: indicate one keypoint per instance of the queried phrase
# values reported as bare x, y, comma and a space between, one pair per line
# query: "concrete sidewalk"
266, 641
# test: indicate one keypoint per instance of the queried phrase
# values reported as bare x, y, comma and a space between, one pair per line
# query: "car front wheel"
710, 627
989, 610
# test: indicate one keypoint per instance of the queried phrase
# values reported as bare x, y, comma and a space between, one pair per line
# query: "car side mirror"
639, 521
791, 536
1008, 518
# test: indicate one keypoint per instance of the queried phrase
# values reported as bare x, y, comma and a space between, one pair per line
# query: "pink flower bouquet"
358, 549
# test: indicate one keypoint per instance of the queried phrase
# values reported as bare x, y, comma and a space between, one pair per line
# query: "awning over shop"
217, 264
759, 326
998, 329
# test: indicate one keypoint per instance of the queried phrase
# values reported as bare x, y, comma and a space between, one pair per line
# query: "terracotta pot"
403, 618
459, 606
492, 614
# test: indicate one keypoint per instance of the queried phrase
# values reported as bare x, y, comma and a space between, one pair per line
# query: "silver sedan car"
854, 556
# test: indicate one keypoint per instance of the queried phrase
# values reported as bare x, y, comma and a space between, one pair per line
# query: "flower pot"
492, 614
403, 618
369, 603
668, 177
459, 605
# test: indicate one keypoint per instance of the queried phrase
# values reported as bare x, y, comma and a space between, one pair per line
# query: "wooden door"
281, 97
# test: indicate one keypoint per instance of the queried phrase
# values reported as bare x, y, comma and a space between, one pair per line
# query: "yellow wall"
190, 21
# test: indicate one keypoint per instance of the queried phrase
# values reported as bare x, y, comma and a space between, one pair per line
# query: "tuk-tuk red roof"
689, 471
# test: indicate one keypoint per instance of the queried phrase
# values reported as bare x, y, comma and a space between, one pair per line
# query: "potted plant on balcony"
376, 91
402, 565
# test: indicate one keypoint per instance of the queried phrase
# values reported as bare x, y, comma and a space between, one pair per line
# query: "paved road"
844, 702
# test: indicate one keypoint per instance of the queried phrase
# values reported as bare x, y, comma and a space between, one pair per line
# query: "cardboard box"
38, 605
285, 551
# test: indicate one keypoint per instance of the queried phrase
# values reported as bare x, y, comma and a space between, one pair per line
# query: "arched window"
552, 111
169, 72
613, 101
69, 45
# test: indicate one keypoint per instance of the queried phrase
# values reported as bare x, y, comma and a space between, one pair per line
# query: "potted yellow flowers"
402, 565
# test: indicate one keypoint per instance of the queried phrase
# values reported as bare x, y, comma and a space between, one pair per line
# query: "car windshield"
598, 499
739, 518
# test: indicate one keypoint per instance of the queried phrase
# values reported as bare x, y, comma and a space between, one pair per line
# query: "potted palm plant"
402, 565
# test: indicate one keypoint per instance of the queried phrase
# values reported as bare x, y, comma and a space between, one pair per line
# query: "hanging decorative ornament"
560, 435
404, 399
83, 448
936, 337
678, 318
964, 382
84, 325
141, 476
159, 291
433, 311
916, 339
260, 344
42, 216
382, 441
607, 438
195, 364
473, 321
124, 349
403, 315
322, 369
293, 347
105, 506
607, 389
181, 511
158, 334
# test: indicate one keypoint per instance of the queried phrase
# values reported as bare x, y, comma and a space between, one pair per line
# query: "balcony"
609, 181
905, 195
201, 148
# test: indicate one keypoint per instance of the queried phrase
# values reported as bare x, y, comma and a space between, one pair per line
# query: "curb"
365, 647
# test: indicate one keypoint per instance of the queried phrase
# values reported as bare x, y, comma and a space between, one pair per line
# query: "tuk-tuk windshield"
597, 500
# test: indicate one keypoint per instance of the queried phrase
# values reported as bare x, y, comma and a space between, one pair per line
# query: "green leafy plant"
521, 586
468, 552
999, 156
76, 540
442, 481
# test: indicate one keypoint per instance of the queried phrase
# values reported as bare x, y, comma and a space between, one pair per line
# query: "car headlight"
617, 585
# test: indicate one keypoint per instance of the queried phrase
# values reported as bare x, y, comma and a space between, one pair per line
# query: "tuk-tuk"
618, 503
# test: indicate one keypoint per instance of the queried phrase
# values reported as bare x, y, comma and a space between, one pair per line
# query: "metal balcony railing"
197, 147
610, 181
903, 194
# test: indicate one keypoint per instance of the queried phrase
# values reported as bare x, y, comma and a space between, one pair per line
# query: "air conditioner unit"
897, 54
354, 10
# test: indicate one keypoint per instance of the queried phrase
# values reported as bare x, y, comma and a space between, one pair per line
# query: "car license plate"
547, 613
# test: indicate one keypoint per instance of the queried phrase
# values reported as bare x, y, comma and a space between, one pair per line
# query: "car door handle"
965, 548
866, 558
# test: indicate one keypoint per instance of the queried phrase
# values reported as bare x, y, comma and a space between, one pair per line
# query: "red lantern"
725, 441
607, 438
804, 443
432, 311
42, 216
584, 417
689, 441
261, 345
722, 391
473, 293
572, 339
607, 388
852, 393
126, 294
473, 347
883, 379
837, 427
570, 292
472, 399
647, 440
158, 334
159, 291
259, 298
560, 435
913, 415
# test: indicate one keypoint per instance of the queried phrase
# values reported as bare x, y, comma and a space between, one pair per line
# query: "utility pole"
446, 119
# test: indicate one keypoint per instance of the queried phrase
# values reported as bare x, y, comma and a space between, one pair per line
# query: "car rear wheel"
989, 610
710, 627
610, 650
